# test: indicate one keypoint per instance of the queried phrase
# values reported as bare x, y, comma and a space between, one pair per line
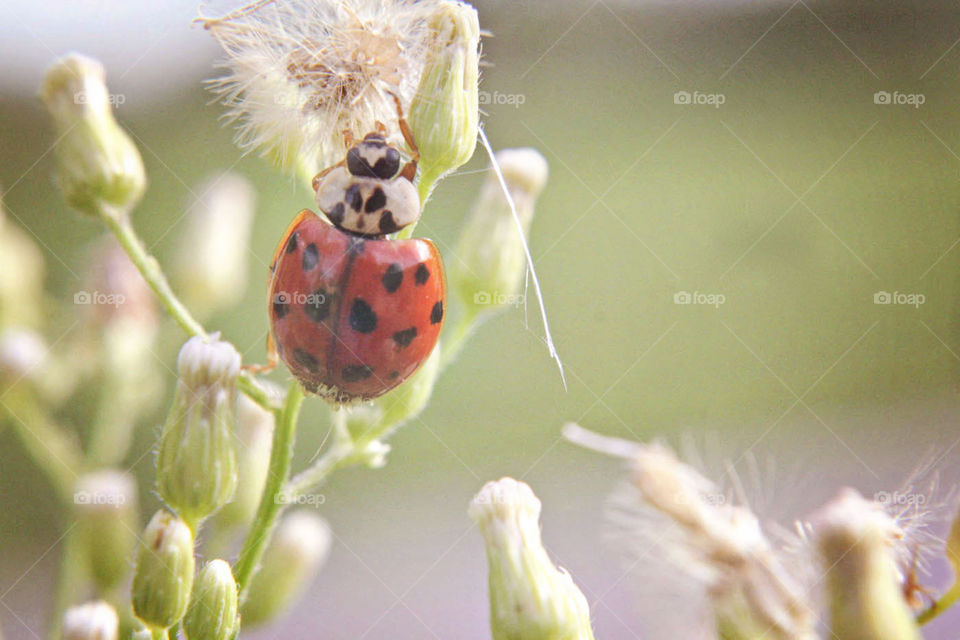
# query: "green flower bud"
97, 164
90, 621
444, 112
212, 614
854, 537
255, 434
163, 577
197, 459
490, 266
530, 598
105, 504
294, 556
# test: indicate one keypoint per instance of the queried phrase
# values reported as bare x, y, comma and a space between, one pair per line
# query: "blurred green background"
797, 199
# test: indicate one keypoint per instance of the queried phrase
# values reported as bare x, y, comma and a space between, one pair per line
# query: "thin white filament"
526, 250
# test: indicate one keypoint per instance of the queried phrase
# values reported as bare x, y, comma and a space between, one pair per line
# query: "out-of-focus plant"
296, 75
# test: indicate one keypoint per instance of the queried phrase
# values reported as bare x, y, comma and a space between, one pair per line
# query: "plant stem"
451, 346
337, 456
149, 268
67, 582
945, 601
281, 453
119, 224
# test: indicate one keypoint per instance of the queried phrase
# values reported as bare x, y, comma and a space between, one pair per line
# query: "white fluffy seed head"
298, 73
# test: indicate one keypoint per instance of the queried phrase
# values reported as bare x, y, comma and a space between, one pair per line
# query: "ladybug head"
373, 157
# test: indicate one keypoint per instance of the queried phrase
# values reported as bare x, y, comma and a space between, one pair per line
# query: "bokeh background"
797, 200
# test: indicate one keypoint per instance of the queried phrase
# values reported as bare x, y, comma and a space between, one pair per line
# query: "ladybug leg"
381, 128
347, 138
272, 359
315, 183
409, 170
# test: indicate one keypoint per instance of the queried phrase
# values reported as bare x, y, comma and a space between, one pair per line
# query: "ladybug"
354, 313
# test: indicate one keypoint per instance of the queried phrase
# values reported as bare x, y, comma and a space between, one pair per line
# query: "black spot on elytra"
378, 200
387, 223
405, 337
280, 306
310, 257
306, 360
317, 306
422, 274
292, 242
393, 278
362, 317
336, 214
356, 372
436, 314
353, 197
394, 375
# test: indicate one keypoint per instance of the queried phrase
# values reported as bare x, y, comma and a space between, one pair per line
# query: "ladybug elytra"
354, 313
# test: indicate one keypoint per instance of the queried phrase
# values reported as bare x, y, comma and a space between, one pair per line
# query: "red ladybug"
352, 312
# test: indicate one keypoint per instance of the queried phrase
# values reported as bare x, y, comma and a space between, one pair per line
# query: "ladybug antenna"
531, 271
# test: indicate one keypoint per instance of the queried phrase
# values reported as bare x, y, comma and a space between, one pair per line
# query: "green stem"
945, 601
149, 268
337, 456
68, 579
451, 345
281, 453
119, 224
425, 186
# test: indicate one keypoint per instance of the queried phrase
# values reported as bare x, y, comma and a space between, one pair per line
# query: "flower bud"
255, 433
211, 261
294, 556
212, 614
491, 259
530, 598
197, 459
855, 537
105, 504
97, 164
163, 577
444, 112
91, 621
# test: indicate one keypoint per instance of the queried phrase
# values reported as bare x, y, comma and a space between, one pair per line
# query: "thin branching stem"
944, 602
281, 454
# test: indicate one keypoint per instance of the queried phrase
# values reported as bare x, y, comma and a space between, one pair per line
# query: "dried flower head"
298, 74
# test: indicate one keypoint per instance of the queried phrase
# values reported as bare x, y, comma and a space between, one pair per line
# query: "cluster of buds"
197, 457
